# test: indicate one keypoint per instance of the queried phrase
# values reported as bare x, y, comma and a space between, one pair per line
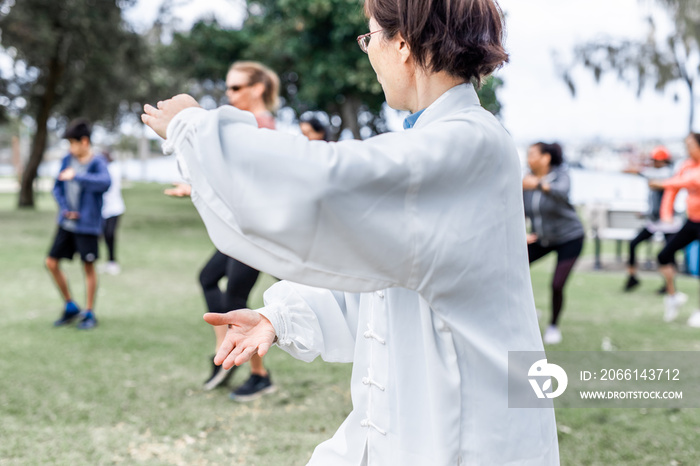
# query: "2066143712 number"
640, 374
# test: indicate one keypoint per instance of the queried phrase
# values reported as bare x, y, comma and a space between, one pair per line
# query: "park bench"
619, 222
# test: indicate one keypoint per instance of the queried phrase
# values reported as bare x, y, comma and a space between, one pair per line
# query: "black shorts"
68, 243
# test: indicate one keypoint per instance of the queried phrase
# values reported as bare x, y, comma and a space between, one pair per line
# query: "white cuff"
178, 126
275, 314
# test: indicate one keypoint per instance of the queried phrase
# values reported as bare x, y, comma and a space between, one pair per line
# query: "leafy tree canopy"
84, 46
311, 44
657, 60
71, 58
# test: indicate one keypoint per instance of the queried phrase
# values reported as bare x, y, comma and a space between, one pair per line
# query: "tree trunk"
36, 154
691, 117
348, 111
17, 156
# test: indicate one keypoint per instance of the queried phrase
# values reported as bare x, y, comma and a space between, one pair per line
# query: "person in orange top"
688, 178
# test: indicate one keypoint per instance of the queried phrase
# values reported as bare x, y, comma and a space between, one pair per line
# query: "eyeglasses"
237, 87
363, 40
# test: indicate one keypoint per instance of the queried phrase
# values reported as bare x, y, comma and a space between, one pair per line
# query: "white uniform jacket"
424, 234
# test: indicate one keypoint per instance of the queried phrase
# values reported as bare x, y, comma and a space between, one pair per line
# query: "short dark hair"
462, 37
78, 129
556, 154
316, 125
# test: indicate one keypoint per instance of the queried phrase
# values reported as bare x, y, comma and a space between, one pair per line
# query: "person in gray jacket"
555, 224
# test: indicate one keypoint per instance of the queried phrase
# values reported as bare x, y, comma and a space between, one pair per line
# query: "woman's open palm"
248, 333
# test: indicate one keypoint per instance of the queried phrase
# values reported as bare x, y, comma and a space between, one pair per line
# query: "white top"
424, 233
112, 201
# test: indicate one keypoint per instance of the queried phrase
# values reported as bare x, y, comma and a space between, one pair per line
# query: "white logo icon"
542, 368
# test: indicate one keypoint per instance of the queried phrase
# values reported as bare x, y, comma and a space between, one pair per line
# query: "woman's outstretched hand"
249, 332
159, 117
179, 190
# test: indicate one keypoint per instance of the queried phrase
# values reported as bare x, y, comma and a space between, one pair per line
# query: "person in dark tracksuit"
555, 224
660, 170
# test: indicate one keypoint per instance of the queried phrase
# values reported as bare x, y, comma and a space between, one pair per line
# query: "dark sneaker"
632, 283
70, 313
253, 388
219, 376
88, 321
661, 290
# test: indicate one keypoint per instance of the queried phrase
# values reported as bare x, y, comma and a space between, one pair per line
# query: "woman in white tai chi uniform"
420, 233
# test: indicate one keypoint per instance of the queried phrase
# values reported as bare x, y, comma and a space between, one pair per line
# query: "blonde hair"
260, 73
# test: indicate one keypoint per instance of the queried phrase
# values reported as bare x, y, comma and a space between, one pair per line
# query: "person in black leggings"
252, 87
688, 178
112, 209
555, 225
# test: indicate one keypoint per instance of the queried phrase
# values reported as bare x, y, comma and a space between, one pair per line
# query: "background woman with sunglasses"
254, 88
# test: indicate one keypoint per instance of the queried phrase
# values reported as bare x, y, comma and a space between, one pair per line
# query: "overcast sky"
537, 103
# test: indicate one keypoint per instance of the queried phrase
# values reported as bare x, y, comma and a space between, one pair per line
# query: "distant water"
589, 187
622, 190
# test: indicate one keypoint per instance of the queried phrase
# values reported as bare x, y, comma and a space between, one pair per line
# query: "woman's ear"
258, 89
402, 48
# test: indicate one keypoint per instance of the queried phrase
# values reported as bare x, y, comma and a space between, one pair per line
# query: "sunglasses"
237, 87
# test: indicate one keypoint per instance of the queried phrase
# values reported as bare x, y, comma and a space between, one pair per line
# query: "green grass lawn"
129, 392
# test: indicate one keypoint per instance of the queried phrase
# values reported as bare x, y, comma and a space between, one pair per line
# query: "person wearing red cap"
660, 170
660, 154
688, 178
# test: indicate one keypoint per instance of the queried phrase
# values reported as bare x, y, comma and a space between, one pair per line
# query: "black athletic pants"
689, 233
109, 229
567, 253
643, 235
241, 279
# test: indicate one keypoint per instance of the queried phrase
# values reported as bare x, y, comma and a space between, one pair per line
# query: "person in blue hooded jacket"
81, 182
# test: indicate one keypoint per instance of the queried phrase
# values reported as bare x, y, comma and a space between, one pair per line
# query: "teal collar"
411, 119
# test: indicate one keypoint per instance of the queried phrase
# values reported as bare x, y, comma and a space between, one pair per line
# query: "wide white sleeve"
311, 322
331, 215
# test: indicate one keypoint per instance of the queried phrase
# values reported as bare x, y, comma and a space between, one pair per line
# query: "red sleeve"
688, 178
666, 211
685, 178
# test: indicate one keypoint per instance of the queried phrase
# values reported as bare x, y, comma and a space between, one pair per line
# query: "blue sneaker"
88, 321
253, 388
70, 313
